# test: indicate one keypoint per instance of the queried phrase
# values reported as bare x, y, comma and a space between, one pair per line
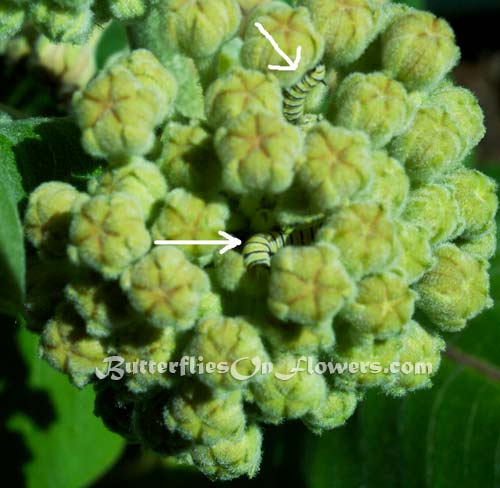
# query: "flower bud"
200, 28
48, 216
416, 252
434, 209
11, 20
332, 412
239, 91
228, 340
373, 103
308, 284
232, 457
290, 28
206, 416
128, 9
61, 24
483, 246
390, 186
431, 146
289, 391
184, 216
108, 233
67, 348
119, 110
383, 305
420, 349
476, 196
140, 179
366, 237
336, 165
166, 288
348, 26
455, 290
258, 152
419, 49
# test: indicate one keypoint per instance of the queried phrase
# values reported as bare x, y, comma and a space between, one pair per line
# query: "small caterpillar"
294, 98
260, 248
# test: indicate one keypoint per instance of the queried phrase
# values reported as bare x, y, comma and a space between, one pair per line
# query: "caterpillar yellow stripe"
260, 248
294, 98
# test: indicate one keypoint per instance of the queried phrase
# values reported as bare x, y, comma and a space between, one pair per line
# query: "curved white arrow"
292, 65
230, 242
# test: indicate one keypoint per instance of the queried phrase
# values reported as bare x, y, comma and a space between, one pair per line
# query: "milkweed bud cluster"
369, 237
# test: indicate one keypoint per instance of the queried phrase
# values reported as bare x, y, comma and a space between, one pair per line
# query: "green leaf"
112, 41
447, 436
12, 259
75, 448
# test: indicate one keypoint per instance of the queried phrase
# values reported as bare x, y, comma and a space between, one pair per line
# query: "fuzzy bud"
108, 233
258, 152
308, 284
455, 290
483, 246
166, 288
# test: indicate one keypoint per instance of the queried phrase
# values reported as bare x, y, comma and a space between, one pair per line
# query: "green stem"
460, 357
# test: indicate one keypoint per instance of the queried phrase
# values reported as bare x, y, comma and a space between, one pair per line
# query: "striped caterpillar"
294, 98
260, 248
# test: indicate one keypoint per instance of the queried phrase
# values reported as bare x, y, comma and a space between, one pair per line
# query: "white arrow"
292, 65
230, 242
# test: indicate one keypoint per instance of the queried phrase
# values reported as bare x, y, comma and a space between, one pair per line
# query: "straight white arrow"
292, 65
230, 242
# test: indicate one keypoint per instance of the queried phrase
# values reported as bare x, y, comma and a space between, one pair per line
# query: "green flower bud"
258, 152
229, 270
119, 110
128, 9
185, 216
11, 20
206, 416
308, 284
432, 145
434, 209
464, 109
230, 340
384, 304
419, 49
141, 180
108, 234
366, 237
200, 28
289, 391
187, 160
45, 282
210, 306
416, 252
332, 412
336, 167
420, 349
48, 216
232, 457
373, 103
290, 28
141, 342
299, 339
239, 91
67, 348
72, 65
483, 246
247, 5
166, 288
348, 26
391, 185
100, 304
61, 24
455, 290
115, 406
476, 196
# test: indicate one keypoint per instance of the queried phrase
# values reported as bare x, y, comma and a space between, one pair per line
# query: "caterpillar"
260, 248
294, 98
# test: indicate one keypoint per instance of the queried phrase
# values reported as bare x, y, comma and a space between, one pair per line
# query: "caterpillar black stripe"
294, 98
260, 248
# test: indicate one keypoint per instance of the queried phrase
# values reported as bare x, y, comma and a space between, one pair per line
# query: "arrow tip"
232, 242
